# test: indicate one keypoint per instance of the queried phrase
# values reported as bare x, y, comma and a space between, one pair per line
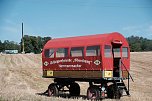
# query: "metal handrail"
127, 71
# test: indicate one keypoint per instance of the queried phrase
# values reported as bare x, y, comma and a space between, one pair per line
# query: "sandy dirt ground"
21, 79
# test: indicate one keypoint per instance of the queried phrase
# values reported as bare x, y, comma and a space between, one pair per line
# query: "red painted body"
86, 62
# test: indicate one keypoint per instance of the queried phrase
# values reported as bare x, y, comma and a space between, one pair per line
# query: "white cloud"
150, 29
131, 28
144, 30
10, 29
7, 21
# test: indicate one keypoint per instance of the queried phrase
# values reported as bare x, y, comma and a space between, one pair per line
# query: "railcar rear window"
62, 52
125, 52
77, 51
107, 51
93, 51
49, 53
116, 52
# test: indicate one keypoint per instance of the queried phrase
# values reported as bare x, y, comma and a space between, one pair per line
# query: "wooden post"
23, 52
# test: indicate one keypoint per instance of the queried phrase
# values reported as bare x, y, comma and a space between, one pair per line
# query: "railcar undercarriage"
98, 88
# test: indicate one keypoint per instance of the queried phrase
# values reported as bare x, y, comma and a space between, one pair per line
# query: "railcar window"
49, 53
93, 51
125, 52
107, 51
77, 51
116, 52
62, 52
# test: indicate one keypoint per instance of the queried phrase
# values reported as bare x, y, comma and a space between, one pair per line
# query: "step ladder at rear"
121, 85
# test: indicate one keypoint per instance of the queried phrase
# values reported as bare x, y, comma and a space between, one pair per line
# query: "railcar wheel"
74, 89
113, 92
53, 90
118, 94
93, 93
110, 92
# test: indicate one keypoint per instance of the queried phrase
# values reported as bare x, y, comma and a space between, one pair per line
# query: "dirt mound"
20, 75
21, 78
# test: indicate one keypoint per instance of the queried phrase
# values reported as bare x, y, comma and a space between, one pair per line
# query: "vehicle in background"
11, 51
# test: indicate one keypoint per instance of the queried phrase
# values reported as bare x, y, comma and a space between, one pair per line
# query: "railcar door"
116, 46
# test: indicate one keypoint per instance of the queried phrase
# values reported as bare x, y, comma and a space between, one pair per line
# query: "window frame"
98, 50
64, 56
49, 53
126, 52
83, 50
110, 53
117, 52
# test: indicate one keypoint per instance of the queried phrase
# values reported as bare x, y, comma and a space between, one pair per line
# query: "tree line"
33, 44
9, 45
139, 44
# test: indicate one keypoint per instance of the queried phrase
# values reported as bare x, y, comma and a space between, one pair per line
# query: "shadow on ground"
65, 95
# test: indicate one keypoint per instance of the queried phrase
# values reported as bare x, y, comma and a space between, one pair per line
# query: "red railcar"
98, 59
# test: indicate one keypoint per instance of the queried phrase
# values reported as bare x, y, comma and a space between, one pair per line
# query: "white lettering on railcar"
60, 61
67, 66
75, 60
82, 60
70, 60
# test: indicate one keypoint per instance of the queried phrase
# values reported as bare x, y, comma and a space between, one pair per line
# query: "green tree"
9, 45
139, 44
34, 44
28, 47
40, 43
46, 39
1, 46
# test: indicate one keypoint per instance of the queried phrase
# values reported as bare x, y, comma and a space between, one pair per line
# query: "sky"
66, 18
